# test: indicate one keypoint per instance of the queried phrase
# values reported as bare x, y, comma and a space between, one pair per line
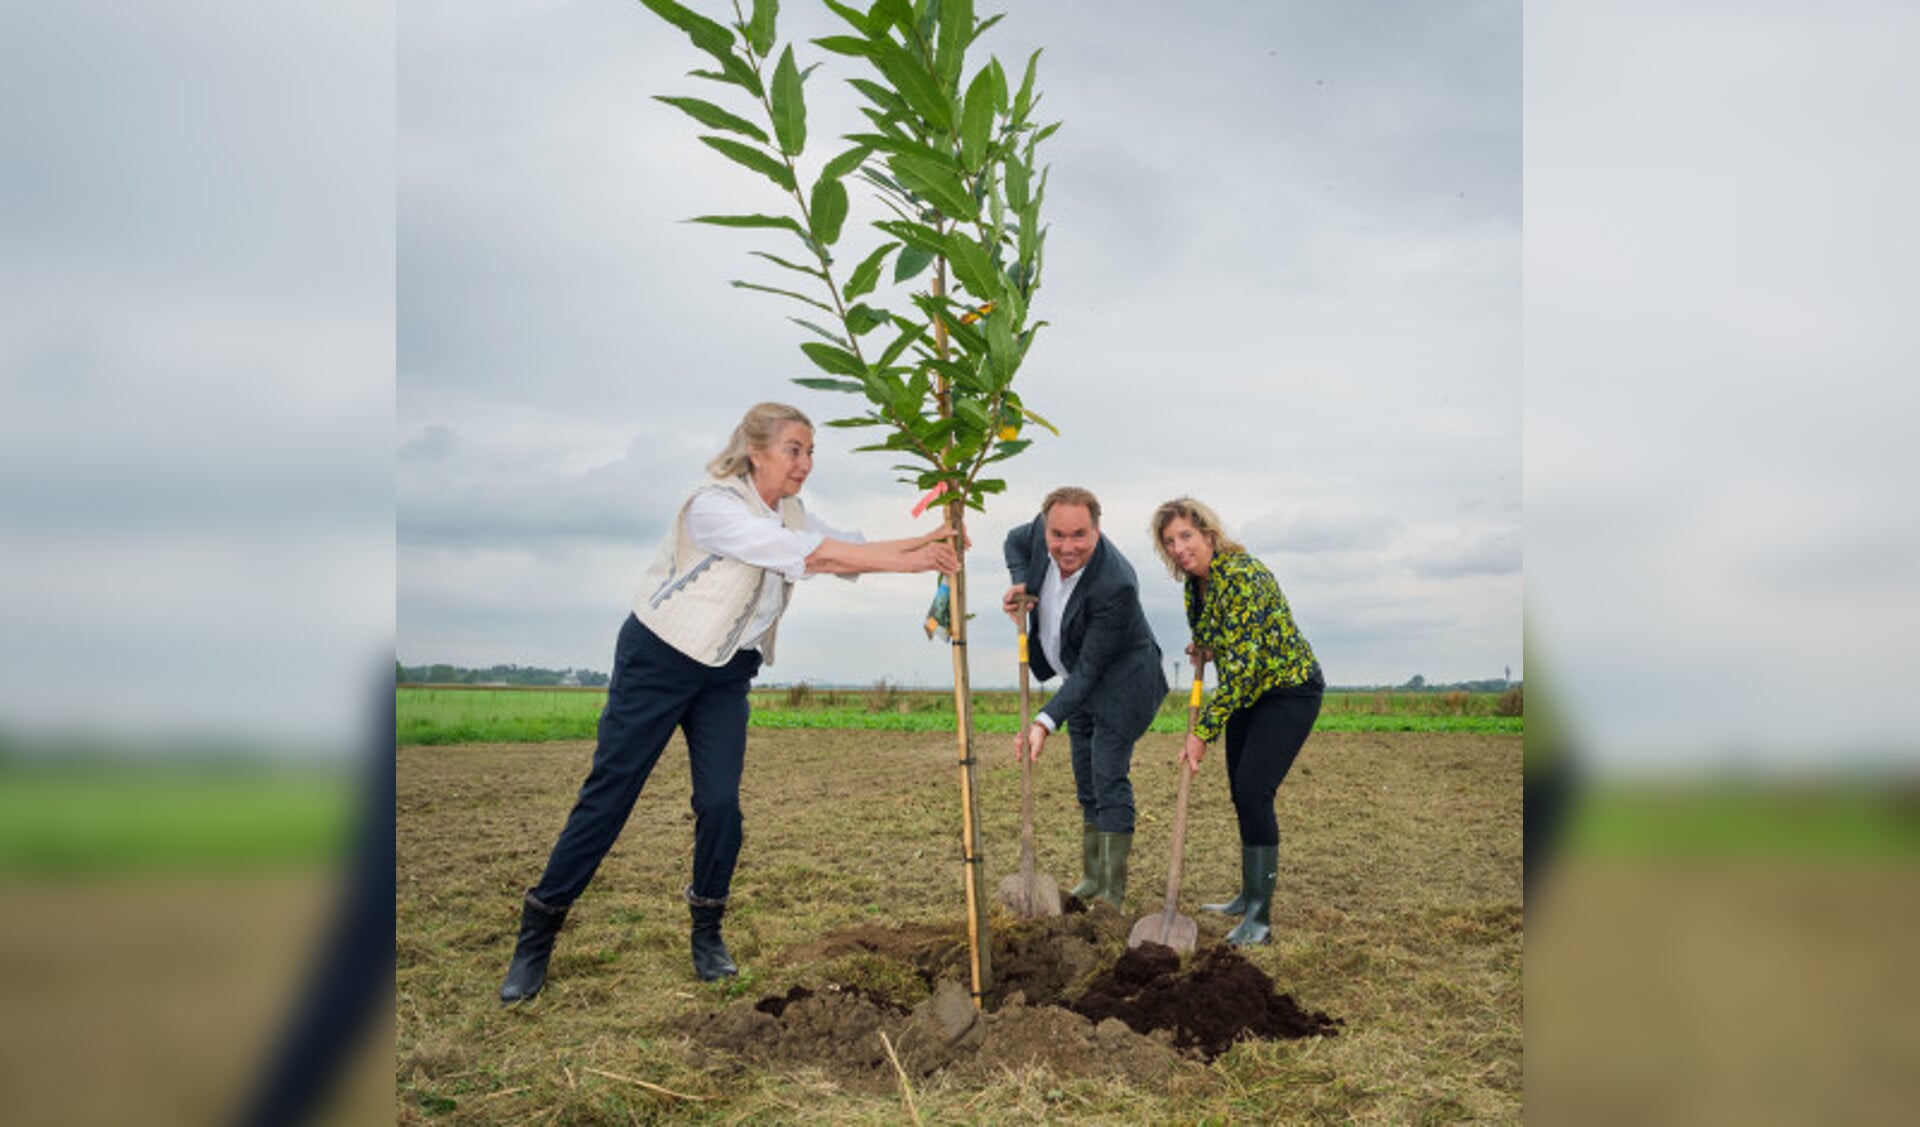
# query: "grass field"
1398, 911
65, 820
1809, 822
457, 715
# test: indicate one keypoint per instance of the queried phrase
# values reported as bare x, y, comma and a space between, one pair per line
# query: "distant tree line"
496, 675
1419, 684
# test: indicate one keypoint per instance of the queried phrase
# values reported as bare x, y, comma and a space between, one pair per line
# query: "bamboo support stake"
972, 863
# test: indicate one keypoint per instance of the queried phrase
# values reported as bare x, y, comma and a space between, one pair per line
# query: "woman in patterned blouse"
1268, 696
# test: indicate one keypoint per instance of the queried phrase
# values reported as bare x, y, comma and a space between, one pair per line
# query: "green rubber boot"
1090, 881
1238, 905
1114, 849
1257, 927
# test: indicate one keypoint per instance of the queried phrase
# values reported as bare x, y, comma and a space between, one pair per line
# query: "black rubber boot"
1257, 927
539, 925
1114, 849
1089, 885
710, 958
1238, 905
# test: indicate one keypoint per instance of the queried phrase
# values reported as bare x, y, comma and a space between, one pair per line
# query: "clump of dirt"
840, 1033
1067, 995
1046, 960
1220, 999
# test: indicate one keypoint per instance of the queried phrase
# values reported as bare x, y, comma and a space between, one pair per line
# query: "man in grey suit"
1082, 603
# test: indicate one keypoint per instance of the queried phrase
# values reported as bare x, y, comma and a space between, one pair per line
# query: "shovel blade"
1034, 897
1176, 931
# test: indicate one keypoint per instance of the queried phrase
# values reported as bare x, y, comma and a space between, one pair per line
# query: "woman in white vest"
703, 623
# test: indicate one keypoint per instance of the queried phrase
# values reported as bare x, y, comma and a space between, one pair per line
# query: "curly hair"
1203, 519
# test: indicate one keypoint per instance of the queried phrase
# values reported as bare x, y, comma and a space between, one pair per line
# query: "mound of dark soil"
1067, 996
1220, 999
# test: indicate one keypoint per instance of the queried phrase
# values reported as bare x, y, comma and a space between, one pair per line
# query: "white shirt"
1054, 594
719, 524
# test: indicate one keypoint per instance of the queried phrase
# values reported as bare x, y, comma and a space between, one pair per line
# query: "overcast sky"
1282, 276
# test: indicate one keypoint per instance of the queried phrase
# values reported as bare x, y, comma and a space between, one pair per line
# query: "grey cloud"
1321, 531
1488, 552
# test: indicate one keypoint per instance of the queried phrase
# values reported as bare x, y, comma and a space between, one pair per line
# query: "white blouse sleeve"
721, 524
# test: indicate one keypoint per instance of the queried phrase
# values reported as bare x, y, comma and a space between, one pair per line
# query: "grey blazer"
1112, 662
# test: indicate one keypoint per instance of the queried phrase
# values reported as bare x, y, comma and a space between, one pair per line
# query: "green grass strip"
146, 818
1695, 821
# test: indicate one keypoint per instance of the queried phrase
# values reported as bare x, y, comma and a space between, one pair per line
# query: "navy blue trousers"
1263, 739
655, 689
1102, 767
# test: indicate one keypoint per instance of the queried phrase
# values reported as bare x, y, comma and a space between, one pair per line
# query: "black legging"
1262, 741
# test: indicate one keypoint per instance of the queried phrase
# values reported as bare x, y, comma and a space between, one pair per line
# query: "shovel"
1028, 894
1168, 927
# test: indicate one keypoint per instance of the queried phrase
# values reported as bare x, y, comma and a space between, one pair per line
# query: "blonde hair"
1204, 520
1073, 495
755, 432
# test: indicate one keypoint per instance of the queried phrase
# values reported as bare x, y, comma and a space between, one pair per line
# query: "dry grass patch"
1398, 911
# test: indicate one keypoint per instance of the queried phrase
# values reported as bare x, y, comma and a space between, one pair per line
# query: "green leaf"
846, 162
956, 31
707, 35
980, 29
735, 72
1045, 132
911, 332
890, 103
789, 106
862, 319
753, 158
810, 271
961, 333
849, 45
915, 235
903, 146
1009, 448
712, 116
760, 31
976, 120
912, 260
829, 210
828, 334
897, 13
1000, 346
821, 383
920, 88
1023, 101
779, 222
935, 184
972, 267
1017, 173
860, 421
837, 361
820, 305
852, 15
867, 274
1036, 418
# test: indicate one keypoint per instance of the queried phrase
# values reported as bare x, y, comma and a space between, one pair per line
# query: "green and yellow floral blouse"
1243, 618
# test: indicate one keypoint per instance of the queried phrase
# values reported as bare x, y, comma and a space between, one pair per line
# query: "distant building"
570, 681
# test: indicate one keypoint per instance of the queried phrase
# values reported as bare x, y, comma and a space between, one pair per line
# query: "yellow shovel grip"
1194, 700
1023, 649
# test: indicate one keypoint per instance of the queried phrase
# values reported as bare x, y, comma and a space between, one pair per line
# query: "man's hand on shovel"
1027, 744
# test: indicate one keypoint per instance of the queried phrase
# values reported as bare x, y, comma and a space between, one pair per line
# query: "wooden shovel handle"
1026, 767
1180, 803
